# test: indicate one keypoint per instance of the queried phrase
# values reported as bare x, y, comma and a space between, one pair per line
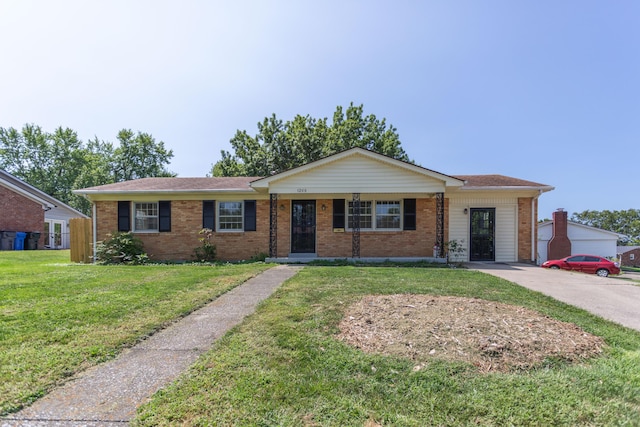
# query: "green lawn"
58, 318
283, 366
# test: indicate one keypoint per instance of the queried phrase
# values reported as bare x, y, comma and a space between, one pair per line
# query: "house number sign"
301, 190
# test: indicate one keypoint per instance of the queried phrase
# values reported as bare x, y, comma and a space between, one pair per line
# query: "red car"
585, 263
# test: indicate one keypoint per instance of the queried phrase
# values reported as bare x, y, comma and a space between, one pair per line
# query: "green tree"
50, 162
96, 170
279, 146
59, 162
625, 222
139, 156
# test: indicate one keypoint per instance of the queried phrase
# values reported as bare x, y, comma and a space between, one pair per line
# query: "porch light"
466, 211
282, 207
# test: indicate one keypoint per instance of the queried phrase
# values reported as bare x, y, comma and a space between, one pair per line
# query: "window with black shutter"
209, 214
124, 216
249, 215
164, 216
338, 213
409, 214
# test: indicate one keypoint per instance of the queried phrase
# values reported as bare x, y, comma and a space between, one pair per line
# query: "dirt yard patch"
490, 335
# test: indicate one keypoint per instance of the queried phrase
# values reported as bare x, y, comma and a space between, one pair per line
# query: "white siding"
506, 225
459, 231
584, 240
595, 247
356, 175
506, 249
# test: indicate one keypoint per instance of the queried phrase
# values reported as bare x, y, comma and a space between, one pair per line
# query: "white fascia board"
94, 195
449, 181
45, 204
508, 188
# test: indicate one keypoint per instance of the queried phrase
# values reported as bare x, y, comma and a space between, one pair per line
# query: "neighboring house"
405, 211
27, 209
629, 256
575, 239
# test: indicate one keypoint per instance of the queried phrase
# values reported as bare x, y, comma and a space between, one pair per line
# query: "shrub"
454, 250
121, 248
206, 252
259, 257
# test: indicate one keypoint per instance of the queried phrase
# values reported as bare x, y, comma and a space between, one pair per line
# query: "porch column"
273, 225
440, 222
355, 226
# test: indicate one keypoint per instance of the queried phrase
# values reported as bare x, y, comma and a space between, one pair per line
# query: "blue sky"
547, 91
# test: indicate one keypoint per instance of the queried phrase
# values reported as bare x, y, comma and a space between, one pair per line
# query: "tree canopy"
279, 146
59, 162
626, 222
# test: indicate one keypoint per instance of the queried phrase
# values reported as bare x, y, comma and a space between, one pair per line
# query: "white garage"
584, 240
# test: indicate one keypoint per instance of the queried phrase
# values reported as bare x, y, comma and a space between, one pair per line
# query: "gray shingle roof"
175, 184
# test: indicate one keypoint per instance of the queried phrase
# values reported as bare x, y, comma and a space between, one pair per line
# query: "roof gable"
573, 228
357, 170
19, 186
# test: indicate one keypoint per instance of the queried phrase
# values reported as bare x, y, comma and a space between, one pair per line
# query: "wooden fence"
80, 240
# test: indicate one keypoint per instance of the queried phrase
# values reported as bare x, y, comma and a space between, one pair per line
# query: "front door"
303, 227
482, 234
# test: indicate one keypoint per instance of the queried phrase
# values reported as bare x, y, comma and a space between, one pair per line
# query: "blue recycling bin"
18, 242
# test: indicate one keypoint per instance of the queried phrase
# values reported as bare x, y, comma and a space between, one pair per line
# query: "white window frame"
379, 216
373, 215
221, 225
146, 217
365, 205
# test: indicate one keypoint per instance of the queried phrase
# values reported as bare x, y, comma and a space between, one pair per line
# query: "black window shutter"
209, 214
338, 213
124, 215
249, 215
164, 216
409, 214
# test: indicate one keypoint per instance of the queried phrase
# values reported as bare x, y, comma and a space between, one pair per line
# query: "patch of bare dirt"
490, 335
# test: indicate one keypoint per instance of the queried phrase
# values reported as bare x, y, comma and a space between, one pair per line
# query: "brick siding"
410, 243
186, 222
524, 229
628, 262
20, 213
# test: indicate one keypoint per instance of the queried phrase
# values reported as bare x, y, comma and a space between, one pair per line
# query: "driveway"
613, 298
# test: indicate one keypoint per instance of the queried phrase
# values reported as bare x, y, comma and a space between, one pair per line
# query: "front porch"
372, 260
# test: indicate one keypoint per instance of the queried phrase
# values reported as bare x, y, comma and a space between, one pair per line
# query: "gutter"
118, 192
534, 226
503, 188
94, 225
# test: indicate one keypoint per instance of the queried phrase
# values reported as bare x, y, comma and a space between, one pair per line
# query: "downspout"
95, 229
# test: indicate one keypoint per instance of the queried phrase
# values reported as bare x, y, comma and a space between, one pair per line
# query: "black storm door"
303, 227
482, 234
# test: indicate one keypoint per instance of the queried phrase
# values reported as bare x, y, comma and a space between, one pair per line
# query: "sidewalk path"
108, 394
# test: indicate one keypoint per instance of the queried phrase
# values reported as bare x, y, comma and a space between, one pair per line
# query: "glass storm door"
303, 227
482, 235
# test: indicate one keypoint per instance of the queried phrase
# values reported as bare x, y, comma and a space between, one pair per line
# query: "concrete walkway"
613, 297
108, 394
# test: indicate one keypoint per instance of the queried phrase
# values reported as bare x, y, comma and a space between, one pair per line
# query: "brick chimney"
559, 246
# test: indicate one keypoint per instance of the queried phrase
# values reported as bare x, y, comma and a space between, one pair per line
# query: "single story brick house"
353, 204
629, 255
24, 208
